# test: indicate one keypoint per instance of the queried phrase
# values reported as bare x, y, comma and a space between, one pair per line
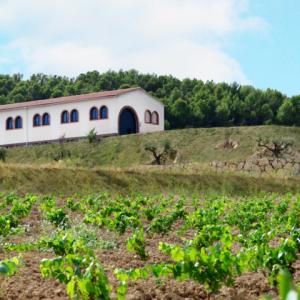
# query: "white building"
109, 113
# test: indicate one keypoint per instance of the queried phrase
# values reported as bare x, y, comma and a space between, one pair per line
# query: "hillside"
194, 146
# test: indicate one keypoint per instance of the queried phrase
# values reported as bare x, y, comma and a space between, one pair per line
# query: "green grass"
194, 146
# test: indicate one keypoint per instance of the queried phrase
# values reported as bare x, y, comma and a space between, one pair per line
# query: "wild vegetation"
188, 102
103, 246
194, 145
122, 165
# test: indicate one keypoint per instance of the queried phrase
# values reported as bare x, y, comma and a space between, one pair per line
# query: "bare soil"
28, 283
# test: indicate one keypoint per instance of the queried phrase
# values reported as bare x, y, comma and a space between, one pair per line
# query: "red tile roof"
68, 99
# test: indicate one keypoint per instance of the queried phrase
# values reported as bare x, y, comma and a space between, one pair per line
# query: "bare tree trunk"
157, 157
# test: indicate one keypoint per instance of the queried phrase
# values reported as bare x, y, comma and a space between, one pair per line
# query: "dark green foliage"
9, 267
3, 153
289, 111
188, 102
61, 153
92, 136
58, 217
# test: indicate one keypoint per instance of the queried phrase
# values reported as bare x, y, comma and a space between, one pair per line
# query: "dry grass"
119, 164
69, 180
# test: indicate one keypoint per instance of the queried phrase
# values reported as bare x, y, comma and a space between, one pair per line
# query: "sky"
253, 42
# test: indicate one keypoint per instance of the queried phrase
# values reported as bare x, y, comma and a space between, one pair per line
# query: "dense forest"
189, 102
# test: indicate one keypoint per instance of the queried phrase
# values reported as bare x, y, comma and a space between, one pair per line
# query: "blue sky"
272, 59
249, 41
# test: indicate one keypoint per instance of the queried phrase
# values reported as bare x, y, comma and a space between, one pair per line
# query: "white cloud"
183, 38
188, 60
63, 58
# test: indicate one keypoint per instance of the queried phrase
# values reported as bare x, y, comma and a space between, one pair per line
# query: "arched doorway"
128, 121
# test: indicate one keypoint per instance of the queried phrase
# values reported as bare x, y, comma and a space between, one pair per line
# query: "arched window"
9, 123
103, 112
64, 117
18, 122
155, 118
94, 113
147, 116
36, 120
46, 119
74, 116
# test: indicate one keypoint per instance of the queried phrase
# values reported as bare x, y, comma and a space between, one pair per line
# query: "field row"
108, 246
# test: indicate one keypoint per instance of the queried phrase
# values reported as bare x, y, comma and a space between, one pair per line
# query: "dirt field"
28, 283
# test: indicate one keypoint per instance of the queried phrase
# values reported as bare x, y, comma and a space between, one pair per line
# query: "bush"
61, 153
92, 136
3, 153
136, 244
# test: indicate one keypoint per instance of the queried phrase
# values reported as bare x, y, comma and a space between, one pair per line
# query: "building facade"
109, 113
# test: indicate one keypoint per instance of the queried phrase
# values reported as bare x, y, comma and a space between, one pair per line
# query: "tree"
159, 152
289, 111
181, 113
188, 102
276, 146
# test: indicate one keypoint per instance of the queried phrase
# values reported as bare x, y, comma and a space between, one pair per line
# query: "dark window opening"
46, 119
74, 116
36, 120
18, 123
64, 117
94, 113
103, 112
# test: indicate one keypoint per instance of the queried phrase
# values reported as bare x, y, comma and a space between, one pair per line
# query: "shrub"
61, 153
92, 136
3, 153
136, 244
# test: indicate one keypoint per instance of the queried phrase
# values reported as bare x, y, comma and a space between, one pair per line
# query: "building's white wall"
138, 100
11, 136
141, 102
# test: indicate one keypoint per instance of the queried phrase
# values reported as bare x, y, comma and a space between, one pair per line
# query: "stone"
232, 166
255, 169
253, 160
213, 164
263, 162
241, 166
247, 166
282, 172
283, 162
269, 169
296, 169
288, 166
220, 164
275, 164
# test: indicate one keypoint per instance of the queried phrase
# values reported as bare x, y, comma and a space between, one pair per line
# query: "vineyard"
140, 247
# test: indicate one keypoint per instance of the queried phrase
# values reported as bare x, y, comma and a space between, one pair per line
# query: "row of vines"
220, 239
